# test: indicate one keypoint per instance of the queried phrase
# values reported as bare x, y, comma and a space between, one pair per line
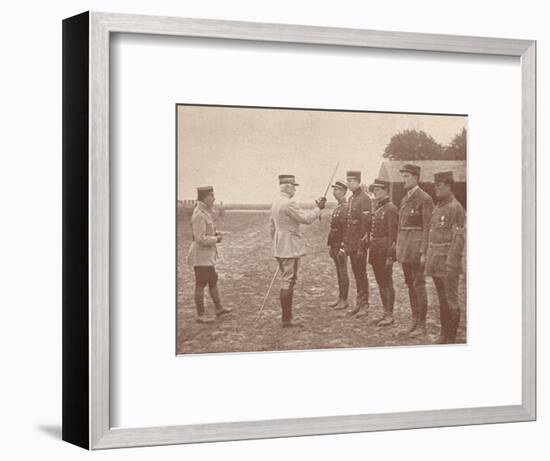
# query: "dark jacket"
446, 239
338, 225
414, 224
383, 232
359, 218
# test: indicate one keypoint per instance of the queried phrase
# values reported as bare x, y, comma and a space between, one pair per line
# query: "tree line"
418, 145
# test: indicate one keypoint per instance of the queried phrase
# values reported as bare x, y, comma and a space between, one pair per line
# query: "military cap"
342, 185
204, 191
287, 179
354, 175
379, 183
444, 176
412, 169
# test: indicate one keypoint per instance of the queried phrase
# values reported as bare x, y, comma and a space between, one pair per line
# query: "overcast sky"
242, 151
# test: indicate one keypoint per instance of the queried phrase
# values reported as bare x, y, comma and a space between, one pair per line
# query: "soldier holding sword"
288, 242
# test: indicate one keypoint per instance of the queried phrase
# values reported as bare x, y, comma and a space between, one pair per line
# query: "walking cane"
267, 294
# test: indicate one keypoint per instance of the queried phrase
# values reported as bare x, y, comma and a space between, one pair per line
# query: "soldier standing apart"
412, 243
288, 243
338, 225
203, 253
445, 250
382, 246
356, 240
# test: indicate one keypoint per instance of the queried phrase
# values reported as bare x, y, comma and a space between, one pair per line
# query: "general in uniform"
356, 240
445, 250
382, 246
412, 244
288, 243
203, 253
335, 241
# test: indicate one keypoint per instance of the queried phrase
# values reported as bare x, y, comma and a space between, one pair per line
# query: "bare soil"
246, 267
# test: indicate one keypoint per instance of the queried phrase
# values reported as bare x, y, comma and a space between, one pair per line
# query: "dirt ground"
246, 267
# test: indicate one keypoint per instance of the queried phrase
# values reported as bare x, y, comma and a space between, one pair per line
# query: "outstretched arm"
302, 216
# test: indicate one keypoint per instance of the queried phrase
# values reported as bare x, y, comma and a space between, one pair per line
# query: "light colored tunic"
286, 217
203, 250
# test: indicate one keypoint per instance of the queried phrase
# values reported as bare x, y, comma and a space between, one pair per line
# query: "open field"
245, 268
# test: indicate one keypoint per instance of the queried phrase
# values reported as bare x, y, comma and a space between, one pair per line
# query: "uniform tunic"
338, 225
203, 250
444, 261
414, 224
336, 236
359, 210
286, 217
288, 243
383, 231
359, 218
381, 248
412, 241
446, 239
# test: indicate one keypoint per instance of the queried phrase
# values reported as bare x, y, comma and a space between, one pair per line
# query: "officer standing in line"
412, 243
445, 249
288, 244
356, 240
338, 225
203, 253
382, 247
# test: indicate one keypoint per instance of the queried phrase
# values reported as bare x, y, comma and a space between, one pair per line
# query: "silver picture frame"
86, 229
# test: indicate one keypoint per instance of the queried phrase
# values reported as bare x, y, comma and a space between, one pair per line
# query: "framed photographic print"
314, 230
318, 253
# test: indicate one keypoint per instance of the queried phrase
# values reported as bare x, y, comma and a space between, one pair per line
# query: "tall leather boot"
444, 330
421, 311
454, 318
388, 307
199, 304
290, 300
391, 298
286, 306
358, 304
215, 295
384, 300
420, 329
414, 314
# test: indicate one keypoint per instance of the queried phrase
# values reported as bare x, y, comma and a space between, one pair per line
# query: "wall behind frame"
30, 241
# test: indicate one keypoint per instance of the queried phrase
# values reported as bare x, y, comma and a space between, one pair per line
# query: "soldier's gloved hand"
321, 202
218, 237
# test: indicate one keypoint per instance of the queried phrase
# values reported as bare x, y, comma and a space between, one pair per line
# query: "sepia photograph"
307, 229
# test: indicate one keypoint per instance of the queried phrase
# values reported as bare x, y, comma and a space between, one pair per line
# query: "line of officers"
427, 240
